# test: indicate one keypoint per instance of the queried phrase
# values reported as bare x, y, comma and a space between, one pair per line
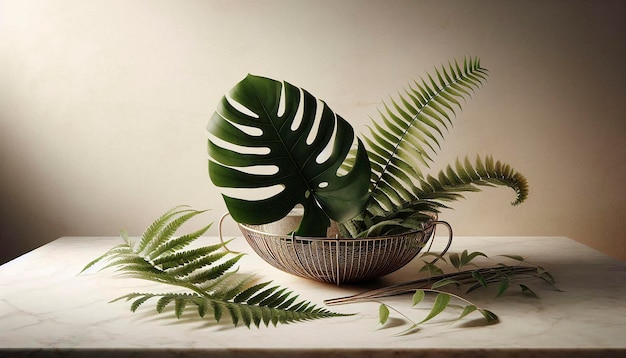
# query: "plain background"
104, 103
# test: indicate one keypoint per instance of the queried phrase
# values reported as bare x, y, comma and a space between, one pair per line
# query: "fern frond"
281, 309
408, 135
212, 285
420, 116
432, 193
467, 177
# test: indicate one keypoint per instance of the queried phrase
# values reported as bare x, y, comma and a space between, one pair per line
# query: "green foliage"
276, 123
441, 303
501, 276
407, 137
382, 189
207, 276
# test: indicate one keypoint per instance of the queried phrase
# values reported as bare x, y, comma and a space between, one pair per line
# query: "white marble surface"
47, 309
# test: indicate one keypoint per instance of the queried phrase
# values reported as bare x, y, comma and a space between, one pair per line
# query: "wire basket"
340, 260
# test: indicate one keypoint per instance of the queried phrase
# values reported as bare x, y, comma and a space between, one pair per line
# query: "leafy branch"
500, 275
207, 275
442, 302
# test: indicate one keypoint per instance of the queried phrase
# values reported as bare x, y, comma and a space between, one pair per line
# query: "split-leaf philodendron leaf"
299, 143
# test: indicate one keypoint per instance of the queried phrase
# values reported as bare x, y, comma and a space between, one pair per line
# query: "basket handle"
444, 223
221, 222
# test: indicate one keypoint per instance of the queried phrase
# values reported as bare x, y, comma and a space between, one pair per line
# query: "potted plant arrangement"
293, 151
281, 141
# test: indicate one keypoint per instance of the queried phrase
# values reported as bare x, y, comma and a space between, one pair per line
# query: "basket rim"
427, 225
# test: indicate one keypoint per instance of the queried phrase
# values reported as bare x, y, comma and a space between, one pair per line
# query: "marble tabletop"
48, 309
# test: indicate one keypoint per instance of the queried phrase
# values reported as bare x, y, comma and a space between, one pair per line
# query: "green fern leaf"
410, 133
450, 183
212, 285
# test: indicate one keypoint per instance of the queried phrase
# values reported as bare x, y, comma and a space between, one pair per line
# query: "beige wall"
103, 104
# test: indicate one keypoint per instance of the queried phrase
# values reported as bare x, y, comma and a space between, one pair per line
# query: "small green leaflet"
467, 310
489, 316
502, 287
527, 290
464, 259
441, 302
383, 313
418, 296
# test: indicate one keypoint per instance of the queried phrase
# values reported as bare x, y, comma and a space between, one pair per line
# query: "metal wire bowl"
340, 260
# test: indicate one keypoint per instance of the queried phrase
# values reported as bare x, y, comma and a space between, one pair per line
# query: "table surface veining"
48, 309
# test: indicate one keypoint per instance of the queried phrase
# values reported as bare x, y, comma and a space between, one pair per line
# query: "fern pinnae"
213, 272
385, 196
168, 230
156, 226
163, 302
383, 134
233, 311
216, 307
419, 132
128, 260
275, 299
127, 297
139, 299
384, 146
126, 238
183, 257
201, 303
266, 316
138, 302
229, 285
448, 186
179, 306
410, 163
433, 104
245, 314
121, 248
178, 243
260, 296
287, 302
393, 125
195, 264
250, 291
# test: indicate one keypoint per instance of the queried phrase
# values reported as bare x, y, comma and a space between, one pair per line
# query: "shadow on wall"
26, 221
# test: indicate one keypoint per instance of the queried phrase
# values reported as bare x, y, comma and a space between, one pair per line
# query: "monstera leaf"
273, 135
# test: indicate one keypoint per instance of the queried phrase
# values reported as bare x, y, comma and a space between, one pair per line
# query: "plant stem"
462, 277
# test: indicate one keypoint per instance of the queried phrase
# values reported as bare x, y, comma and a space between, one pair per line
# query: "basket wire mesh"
339, 260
